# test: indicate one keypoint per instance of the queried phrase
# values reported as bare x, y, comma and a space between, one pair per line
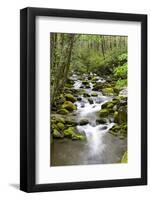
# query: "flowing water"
100, 147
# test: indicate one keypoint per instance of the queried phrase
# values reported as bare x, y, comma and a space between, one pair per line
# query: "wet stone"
103, 128
90, 100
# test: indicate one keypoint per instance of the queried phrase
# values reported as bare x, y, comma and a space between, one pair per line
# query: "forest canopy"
101, 54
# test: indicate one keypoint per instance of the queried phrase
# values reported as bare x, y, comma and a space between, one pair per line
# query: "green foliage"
122, 58
121, 83
94, 94
106, 65
121, 72
91, 59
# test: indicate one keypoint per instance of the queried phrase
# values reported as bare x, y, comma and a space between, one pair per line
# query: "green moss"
71, 122
69, 132
116, 128
57, 119
124, 158
110, 105
121, 71
108, 91
78, 137
86, 94
94, 78
70, 97
104, 105
101, 121
94, 94
119, 130
57, 134
116, 99
63, 111
85, 82
61, 120
68, 105
123, 57
104, 113
83, 122
60, 125
121, 83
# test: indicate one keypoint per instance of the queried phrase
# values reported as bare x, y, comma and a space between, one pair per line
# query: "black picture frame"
28, 99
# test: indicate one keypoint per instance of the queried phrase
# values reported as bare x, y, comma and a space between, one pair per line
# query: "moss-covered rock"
83, 122
95, 78
86, 94
104, 113
108, 91
103, 128
99, 86
70, 123
68, 105
57, 118
110, 105
72, 133
57, 134
63, 111
119, 130
116, 90
101, 121
69, 132
90, 100
87, 86
79, 98
70, 97
117, 99
85, 82
78, 137
104, 106
116, 128
94, 94
60, 125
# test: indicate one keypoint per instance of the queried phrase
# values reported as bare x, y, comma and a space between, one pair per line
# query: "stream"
100, 147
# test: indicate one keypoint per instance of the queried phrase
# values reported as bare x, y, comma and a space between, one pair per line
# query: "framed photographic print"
83, 95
